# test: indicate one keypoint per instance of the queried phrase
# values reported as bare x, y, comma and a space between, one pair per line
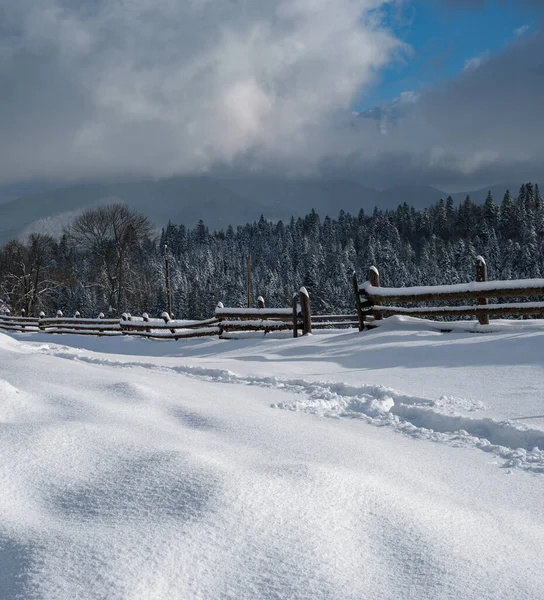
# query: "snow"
449, 309
262, 312
400, 462
457, 288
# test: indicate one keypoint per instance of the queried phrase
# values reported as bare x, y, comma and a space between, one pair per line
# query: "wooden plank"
73, 321
253, 313
97, 332
374, 279
317, 318
21, 328
294, 315
481, 276
332, 325
264, 326
355, 284
178, 334
536, 308
306, 311
161, 325
22, 320
526, 292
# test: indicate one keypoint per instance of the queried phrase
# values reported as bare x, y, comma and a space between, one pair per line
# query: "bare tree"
111, 236
27, 279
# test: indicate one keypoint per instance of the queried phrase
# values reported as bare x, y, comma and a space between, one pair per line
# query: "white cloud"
522, 30
474, 63
101, 88
160, 86
485, 125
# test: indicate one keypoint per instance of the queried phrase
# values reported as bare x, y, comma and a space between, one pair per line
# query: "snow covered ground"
397, 463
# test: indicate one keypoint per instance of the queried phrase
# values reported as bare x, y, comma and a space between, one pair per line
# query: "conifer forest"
111, 259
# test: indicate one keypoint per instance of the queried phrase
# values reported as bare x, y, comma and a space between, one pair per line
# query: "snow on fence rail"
225, 321
267, 319
370, 296
298, 317
127, 325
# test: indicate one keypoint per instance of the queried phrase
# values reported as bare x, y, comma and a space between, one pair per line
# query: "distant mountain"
218, 201
418, 196
497, 191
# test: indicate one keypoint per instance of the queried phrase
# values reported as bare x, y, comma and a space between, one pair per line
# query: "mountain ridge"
219, 201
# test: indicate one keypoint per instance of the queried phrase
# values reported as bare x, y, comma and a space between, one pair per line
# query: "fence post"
358, 301
481, 276
306, 314
77, 315
295, 315
374, 279
220, 305
41, 316
260, 302
145, 317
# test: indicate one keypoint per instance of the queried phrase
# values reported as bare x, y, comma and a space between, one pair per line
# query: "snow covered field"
396, 463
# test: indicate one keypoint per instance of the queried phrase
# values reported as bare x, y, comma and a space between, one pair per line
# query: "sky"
446, 39
390, 92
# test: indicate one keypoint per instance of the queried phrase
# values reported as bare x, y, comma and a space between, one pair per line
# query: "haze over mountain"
219, 202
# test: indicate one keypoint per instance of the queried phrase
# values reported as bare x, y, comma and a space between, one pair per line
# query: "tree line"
111, 260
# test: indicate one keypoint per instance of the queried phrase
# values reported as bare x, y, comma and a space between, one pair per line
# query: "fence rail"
372, 302
226, 321
370, 298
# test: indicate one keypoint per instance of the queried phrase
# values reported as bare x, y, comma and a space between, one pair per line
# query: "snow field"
165, 470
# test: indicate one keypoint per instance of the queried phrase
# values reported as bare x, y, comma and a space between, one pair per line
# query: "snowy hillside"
391, 464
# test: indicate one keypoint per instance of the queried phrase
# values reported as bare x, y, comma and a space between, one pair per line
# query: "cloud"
521, 30
485, 125
156, 87
475, 62
112, 88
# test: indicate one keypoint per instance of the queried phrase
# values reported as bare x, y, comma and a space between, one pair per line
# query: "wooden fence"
372, 301
297, 317
370, 298
226, 322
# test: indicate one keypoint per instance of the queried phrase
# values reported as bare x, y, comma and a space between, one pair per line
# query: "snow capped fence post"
168, 281
40, 321
306, 314
481, 276
249, 280
295, 315
77, 315
166, 318
220, 305
260, 302
145, 317
374, 279
59, 314
358, 301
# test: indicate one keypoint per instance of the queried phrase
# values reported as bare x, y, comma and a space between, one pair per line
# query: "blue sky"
443, 38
